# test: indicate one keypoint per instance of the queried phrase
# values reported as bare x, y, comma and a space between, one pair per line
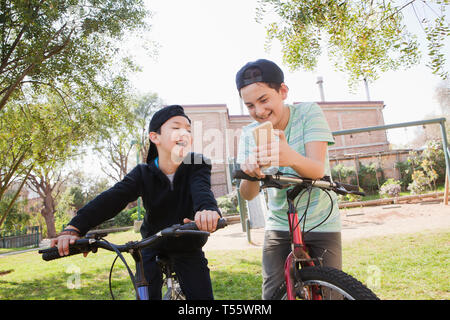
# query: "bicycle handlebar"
92, 244
279, 180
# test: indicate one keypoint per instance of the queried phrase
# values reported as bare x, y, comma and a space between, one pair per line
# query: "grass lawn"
396, 267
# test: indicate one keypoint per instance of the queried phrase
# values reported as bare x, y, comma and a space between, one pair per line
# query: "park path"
364, 222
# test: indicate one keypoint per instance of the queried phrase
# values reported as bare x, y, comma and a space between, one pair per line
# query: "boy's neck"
282, 124
167, 165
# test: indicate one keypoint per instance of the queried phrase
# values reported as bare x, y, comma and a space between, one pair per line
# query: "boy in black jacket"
175, 186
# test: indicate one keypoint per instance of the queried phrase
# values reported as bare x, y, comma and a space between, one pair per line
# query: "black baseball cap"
261, 70
158, 119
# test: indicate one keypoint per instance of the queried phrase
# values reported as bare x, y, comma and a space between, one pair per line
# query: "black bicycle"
171, 287
305, 277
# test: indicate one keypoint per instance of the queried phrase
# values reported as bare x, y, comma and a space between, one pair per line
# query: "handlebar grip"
239, 174
52, 253
221, 223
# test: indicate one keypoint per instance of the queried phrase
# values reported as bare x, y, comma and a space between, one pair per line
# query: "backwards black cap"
158, 119
261, 70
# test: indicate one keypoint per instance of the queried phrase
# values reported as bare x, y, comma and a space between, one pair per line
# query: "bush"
228, 204
391, 188
420, 182
342, 173
367, 176
125, 218
405, 173
428, 167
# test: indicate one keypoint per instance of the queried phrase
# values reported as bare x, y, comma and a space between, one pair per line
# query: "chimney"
320, 83
367, 89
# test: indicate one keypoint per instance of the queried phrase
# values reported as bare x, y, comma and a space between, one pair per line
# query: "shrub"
125, 218
391, 188
405, 173
367, 176
342, 173
228, 204
420, 182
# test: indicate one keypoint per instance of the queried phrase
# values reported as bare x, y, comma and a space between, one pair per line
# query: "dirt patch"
364, 222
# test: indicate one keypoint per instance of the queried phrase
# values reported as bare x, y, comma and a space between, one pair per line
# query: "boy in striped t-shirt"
304, 136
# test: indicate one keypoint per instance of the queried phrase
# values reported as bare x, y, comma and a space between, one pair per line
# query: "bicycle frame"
299, 253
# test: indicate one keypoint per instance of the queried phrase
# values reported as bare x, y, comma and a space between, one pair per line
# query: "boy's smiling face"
266, 104
175, 139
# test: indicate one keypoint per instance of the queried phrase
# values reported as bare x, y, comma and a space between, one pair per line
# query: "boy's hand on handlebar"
206, 220
63, 241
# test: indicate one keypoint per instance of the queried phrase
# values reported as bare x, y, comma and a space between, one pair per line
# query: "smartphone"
263, 134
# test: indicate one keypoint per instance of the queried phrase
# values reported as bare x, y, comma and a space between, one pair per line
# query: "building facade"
216, 134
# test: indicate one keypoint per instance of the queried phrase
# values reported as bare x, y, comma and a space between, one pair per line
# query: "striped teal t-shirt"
306, 123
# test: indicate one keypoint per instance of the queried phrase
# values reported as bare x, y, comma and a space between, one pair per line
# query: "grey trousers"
277, 247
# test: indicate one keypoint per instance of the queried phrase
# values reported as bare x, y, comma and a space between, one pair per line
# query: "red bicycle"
305, 277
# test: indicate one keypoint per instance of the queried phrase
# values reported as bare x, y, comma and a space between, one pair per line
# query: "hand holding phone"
264, 135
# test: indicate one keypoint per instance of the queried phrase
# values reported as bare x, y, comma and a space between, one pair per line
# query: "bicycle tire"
333, 279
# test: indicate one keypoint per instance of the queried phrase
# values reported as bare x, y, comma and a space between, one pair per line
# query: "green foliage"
405, 173
17, 218
78, 198
367, 177
428, 168
342, 173
64, 210
363, 38
228, 204
420, 182
124, 218
56, 43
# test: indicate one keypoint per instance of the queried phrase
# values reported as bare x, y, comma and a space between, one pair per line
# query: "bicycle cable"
307, 206
329, 214
303, 217
110, 278
119, 254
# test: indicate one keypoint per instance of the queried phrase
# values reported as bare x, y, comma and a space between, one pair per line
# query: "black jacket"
164, 206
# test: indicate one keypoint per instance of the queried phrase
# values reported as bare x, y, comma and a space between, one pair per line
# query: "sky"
203, 43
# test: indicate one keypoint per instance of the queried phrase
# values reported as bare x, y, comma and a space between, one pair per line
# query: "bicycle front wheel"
327, 283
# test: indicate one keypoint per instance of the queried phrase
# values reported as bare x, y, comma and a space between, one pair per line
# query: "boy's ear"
154, 137
284, 90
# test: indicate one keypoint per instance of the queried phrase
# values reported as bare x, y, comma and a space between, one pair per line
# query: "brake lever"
169, 230
344, 192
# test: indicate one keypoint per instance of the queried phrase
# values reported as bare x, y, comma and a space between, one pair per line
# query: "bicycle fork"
141, 281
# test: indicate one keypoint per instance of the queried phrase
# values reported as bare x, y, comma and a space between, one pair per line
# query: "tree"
364, 38
47, 182
120, 140
42, 130
56, 42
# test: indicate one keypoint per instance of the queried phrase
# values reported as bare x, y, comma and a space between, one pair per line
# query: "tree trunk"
48, 212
